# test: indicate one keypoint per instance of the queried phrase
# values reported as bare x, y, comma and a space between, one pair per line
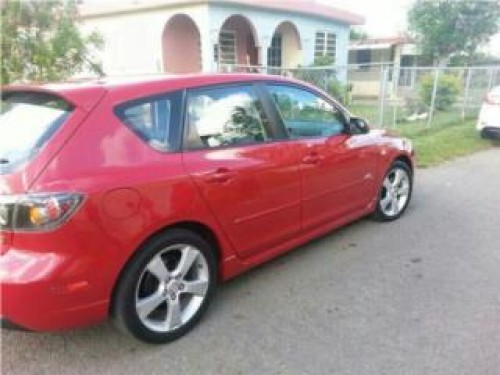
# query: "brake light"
37, 212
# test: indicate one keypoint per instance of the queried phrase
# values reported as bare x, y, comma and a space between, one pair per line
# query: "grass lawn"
448, 137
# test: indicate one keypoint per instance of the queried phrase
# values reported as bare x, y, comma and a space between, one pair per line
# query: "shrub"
448, 88
340, 91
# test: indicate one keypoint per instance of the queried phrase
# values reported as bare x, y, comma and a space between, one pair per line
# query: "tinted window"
306, 114
221, 117
150, 119
27, 121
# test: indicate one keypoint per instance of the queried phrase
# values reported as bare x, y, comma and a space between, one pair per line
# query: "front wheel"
166, 287
395, 192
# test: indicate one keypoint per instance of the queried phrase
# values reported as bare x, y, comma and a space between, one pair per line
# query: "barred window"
227, 47
326, 45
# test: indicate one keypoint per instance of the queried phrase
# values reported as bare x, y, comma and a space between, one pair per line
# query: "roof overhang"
306, 7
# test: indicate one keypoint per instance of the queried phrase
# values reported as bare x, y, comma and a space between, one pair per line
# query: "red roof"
309, 7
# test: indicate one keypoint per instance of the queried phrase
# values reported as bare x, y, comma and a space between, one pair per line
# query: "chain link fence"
394, 96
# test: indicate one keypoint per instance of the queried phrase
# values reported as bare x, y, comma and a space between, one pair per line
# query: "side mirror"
358, 125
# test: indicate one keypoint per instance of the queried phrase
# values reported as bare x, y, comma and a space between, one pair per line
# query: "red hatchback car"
133, 199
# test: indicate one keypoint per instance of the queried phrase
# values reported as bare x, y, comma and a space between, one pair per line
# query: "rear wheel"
395, 192
166, 287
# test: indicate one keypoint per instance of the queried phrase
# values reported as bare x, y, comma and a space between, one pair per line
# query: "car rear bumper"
7, 324
37, 296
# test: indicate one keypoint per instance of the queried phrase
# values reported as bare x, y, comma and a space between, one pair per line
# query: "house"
370, 56
184, 36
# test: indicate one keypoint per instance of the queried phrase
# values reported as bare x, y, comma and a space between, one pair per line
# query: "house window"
274, 52
227, 47
325, 46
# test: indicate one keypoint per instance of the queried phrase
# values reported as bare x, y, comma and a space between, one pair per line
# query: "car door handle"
312, 158
220, 176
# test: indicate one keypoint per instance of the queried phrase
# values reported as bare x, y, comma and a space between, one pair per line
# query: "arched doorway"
285, 50
237, 43
181, 45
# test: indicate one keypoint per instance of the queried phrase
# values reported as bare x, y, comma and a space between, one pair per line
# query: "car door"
249, 178
336, 168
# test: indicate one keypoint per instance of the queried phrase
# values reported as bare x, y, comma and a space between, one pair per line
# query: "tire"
166, 287
394, 196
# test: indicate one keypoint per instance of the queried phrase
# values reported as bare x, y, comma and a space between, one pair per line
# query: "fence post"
490, 81
433, 99
466, 92
383, 88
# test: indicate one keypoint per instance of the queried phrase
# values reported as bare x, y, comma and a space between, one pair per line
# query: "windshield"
27, 121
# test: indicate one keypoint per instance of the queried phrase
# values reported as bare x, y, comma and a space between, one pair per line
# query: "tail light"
37, 212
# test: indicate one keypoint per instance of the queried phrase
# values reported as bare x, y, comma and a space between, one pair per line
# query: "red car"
133, 199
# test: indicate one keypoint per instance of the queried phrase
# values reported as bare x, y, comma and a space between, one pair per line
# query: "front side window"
219, 117
306, 114
27, 121
150, 119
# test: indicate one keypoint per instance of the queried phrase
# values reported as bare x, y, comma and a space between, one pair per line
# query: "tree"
356, 34
41, 41
447, 27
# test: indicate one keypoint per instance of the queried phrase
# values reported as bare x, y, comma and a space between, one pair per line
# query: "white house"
153, 36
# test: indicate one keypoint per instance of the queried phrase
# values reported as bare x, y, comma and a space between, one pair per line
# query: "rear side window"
225, 116
154, 120
27, 121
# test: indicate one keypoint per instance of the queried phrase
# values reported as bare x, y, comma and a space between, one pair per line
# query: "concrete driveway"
418, 296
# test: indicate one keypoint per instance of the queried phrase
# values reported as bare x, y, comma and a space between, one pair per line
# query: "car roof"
138, 85
79, 92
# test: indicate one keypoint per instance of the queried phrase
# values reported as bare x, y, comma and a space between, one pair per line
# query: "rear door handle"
220, 176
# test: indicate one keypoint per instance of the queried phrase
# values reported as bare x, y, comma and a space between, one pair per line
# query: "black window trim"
269, 126
346, 115
177, 98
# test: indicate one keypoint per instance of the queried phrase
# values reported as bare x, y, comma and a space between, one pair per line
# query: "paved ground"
418, 296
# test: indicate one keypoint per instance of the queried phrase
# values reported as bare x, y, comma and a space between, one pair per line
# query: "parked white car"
489, 117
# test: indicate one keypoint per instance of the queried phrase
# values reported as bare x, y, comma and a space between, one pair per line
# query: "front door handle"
220, 175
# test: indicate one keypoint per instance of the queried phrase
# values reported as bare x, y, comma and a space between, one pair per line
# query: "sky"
388, 17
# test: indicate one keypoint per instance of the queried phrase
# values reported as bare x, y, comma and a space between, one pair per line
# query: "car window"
27, 121
150, 119
218, 117
306, 114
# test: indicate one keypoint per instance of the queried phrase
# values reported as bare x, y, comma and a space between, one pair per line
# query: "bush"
448, 88
340, 91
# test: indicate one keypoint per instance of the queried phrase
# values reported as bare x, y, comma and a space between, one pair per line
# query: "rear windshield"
27, 121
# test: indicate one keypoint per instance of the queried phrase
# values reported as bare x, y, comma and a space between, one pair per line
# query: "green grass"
441, 143
447, 138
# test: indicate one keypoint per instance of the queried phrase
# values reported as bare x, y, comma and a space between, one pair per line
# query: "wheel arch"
207, 233
405, 159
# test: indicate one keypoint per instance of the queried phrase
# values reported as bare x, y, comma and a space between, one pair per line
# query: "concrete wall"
181, 45
133, 41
